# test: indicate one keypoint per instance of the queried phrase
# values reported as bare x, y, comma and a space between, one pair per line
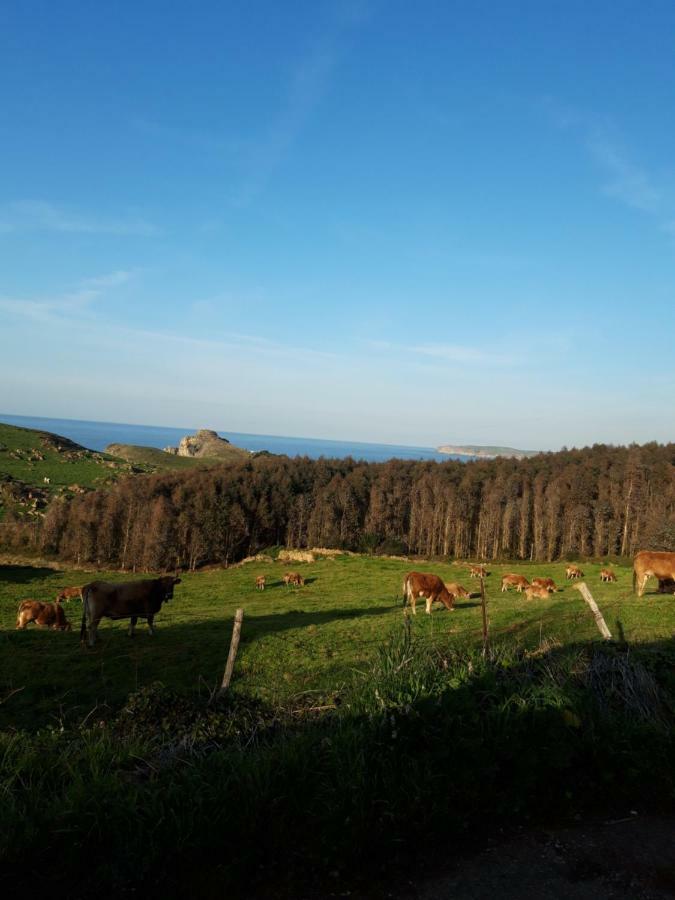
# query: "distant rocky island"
485, 452
205, 444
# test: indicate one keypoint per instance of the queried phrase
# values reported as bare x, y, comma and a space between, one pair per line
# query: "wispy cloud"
68, 304
451, 353
307, 84
38, 215
624, 180
627, 183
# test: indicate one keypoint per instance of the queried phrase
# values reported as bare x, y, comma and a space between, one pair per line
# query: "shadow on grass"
25, 574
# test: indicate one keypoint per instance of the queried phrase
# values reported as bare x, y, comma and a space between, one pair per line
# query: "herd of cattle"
136, 600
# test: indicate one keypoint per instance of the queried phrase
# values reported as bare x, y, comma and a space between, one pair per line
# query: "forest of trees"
600, 501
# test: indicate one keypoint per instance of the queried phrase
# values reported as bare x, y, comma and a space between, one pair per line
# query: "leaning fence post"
484, 611
232, 655
599, 621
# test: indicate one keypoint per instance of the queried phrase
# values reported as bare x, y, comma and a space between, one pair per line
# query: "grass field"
300, 646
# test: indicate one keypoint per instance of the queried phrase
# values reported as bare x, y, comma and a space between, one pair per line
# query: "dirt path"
629, 859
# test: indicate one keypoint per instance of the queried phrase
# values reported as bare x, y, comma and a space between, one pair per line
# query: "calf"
50, 615
457, 590
536, 591
420, 584
607, 575
260, 582
572, 572
478, 572
293, 578
68, 593
519, 582
547, 583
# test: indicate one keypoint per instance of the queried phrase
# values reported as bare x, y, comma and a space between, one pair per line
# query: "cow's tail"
634, 579
85, 609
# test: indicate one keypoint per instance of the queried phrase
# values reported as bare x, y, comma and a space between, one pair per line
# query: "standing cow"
260, 582
607, 575
126, 600
649, 564
573, 572
519, 582
420, 584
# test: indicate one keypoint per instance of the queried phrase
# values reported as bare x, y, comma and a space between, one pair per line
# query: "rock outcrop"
204, 444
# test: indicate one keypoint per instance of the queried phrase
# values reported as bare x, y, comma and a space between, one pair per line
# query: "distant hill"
485, 452
152, 458
206, 444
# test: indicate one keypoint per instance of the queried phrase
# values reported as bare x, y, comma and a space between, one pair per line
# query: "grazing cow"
519, 582
124, 600
547, 583
572, 572
607, 575
260, 582
420, 584
294, 578
457, 591
44, 614
535, 590
478, 572
647, 563
68, 593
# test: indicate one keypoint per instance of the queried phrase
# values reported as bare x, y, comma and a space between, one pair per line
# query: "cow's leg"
430, 599
413, 601
132, 625
150, 627
93, 631
645, 578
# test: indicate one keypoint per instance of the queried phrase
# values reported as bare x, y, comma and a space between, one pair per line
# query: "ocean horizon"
98, 435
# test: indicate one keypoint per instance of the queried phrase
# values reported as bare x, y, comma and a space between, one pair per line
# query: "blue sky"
411, 223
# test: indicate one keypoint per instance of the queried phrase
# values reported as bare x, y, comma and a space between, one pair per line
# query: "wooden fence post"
232, 655
483, 604
599, 621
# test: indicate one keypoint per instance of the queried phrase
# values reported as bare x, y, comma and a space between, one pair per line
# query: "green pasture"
299, 646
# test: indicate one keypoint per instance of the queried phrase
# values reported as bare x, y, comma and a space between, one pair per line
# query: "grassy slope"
74, 465
296, 643
153, 458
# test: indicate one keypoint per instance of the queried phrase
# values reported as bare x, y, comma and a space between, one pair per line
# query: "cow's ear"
176, 581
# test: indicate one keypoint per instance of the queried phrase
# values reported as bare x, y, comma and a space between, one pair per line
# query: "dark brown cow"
547, 583
519, 582
124, 600
50, 615
572, 572
420, 584
649, 564
607, 575
68, 593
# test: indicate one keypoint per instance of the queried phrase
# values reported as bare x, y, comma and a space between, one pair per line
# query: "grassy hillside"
153, 459
298, 644
35, 466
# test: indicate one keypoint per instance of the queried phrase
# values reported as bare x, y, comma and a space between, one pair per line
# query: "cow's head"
168, 583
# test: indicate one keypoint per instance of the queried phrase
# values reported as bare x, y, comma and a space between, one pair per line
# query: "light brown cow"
519, 582
457, 591
68, 593
421, 584
547, 583
572, 572
607, 575
478, 572
260, 582
536, 591
649, 564
293, 578
124, 600
50, 615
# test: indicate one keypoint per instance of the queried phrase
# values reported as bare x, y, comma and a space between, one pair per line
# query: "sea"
97, 436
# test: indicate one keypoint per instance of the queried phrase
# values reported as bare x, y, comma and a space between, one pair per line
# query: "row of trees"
599, 501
